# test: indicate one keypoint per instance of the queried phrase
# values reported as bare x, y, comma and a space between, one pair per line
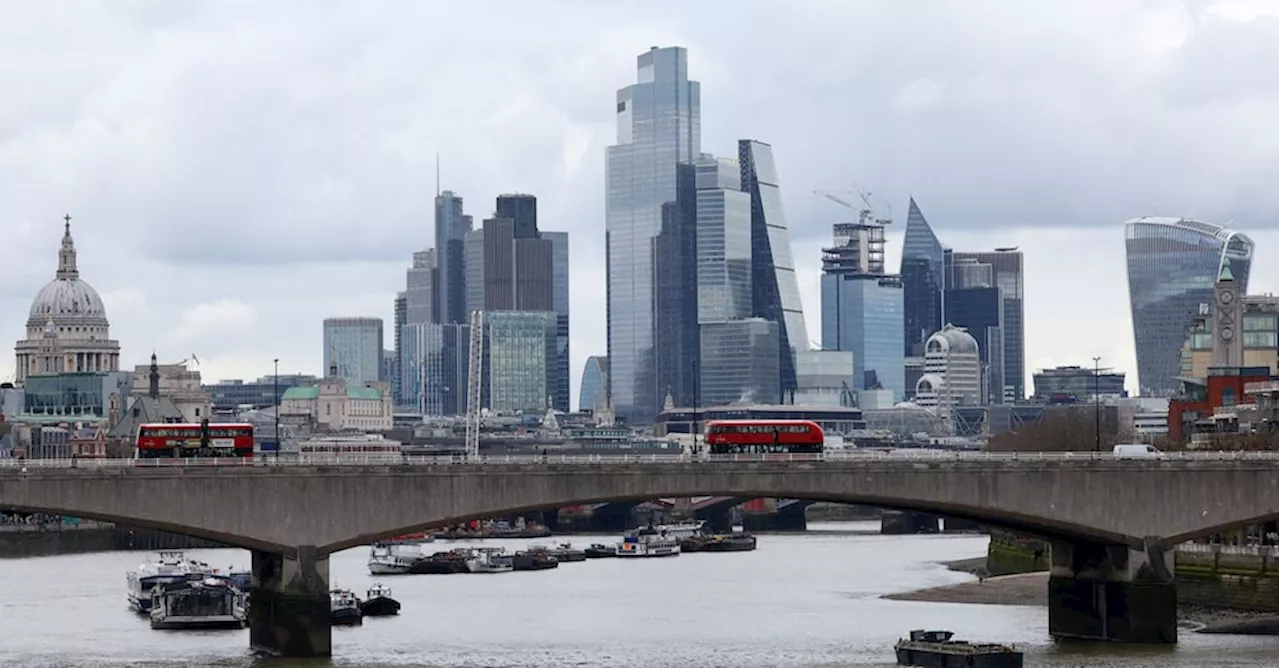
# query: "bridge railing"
1218, 548
613, 459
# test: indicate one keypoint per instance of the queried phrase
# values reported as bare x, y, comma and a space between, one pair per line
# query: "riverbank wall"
1227, 578
18, 541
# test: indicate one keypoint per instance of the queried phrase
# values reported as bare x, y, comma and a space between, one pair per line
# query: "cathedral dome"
67, 300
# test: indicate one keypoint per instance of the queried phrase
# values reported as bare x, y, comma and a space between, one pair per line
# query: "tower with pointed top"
923, 282
67, 327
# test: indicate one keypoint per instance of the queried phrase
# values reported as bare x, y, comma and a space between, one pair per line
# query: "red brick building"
1224, 387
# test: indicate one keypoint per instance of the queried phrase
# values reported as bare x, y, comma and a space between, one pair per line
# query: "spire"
333, 363
1225, 274
153, 389
67, 253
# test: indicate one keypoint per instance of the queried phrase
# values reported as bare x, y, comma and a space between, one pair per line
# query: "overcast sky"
239, 170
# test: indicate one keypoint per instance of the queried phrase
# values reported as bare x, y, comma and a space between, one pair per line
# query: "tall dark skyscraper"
658, 128
523, 210
420, 292
675, 316
923, 285
560, 304
1006, 274
517, 271
452, 226
401, 312
775, 290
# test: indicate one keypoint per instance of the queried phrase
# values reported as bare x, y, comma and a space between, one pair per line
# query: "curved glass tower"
1172, 265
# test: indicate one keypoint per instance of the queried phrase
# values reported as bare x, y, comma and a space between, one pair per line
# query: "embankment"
18, 541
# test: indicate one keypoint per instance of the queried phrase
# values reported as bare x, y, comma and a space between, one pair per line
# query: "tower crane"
866, 212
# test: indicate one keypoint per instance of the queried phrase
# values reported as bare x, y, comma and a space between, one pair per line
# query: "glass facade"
1004, 269
560, 304
433, 373
68, 394
862, 313
658, 127
452, 226
923, 281
595, 377
724, 241
775, 290
981, 312
739, 364
520, 348
1071, 384
401, 318
228, 395
420, 288
1172, 265
354, 345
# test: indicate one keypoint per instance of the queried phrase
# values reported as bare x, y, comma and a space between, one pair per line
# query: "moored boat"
648, 542
378, 602
393, 558
731, 542
440, 563
534, 559
491, 560
564, 552
210, 603
344, 608
936, 649
599, 551
168, 566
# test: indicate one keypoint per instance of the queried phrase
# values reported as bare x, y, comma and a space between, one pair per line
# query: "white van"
1136, 451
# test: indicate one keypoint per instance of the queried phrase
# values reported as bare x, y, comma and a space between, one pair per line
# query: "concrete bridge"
1112, 522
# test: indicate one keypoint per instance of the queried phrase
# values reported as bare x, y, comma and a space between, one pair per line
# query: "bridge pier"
897, 522
1113, 593
289, 604
718, 518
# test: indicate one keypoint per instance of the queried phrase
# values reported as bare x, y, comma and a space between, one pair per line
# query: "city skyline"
238, 301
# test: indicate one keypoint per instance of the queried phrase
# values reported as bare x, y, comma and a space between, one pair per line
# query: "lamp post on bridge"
1097, 409
275, 390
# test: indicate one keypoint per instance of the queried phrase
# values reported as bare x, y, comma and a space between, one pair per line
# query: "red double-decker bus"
735, 437
166, 440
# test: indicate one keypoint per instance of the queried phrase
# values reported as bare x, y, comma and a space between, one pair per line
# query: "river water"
808, 600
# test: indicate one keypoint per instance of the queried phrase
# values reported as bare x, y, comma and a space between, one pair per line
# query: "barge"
936, 649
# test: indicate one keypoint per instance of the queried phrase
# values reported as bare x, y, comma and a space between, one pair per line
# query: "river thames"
809, 599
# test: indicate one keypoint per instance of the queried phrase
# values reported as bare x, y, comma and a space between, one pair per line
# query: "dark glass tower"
923, 283
450, 284
775, 290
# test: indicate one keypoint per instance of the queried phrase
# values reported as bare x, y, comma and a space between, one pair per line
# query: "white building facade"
952, 371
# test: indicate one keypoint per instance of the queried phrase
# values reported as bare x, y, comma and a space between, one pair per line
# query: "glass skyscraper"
862, 313
520, 347
560, 304
1173, 263
452, 226
595, 376
1005, 271
433, 369
775, 290
354, 345
658, 128
923, 282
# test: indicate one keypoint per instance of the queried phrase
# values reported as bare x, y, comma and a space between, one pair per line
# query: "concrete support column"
1113, 593
718, 518
791, 516
289, 604
894, 522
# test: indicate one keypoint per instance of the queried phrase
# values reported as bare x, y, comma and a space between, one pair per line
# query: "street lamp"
1097, 409
275, 389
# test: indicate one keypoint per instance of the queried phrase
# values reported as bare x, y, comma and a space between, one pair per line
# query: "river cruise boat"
729, 542
393, 558
378, 602
167, 567
648, 542
491, 560
683, 530
344, 608
936, 649
210, 603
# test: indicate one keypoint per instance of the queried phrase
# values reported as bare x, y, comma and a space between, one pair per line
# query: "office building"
1232, 330
824, 378
522, 209
723, 275
1006, 274
519, 354
980, 312
434, 368
452, 226
229, 396
923, 282
952, 372
1172, 264
517, 274
677, 345
775, 290
658, 128
354, 345
595, 378
740, 362
862, 306
560, 304
419, 293
400, 318
1076, 384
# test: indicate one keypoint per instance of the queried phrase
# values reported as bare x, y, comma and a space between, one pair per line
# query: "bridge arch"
229, 539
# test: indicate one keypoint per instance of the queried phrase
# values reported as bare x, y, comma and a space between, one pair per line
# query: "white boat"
211, 603
682, 530
344, 608
393, 558
648, 542
167, 567
491, 560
